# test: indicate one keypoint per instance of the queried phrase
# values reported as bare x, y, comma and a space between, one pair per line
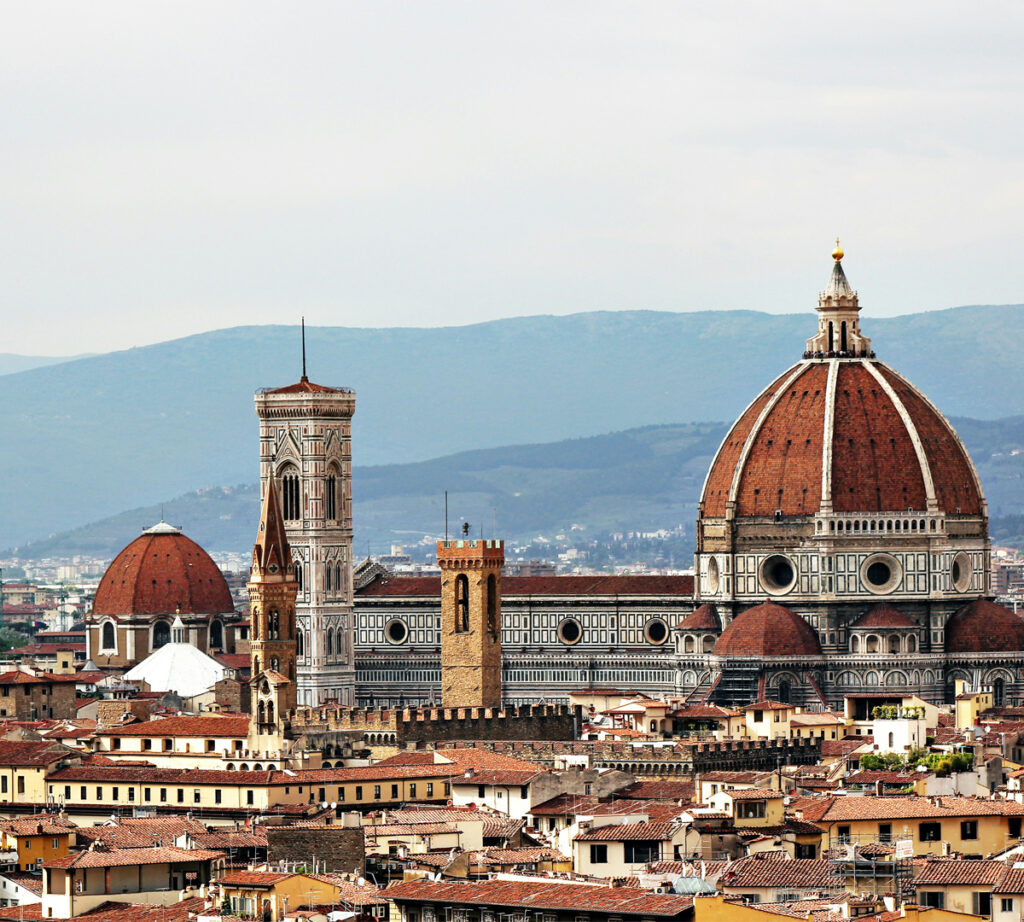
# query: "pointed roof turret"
271, 554
838, 287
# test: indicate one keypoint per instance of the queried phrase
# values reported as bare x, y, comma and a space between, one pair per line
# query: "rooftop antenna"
304, 378
445, 515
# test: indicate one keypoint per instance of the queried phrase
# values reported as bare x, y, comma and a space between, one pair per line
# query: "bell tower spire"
838, 333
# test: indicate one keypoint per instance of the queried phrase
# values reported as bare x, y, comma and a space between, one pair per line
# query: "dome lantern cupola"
838, 333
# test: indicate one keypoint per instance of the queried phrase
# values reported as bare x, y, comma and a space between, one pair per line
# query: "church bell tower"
470, 622
272, 589
306, 445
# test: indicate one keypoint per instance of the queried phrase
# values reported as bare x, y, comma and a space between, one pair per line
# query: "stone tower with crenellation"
470, 622
306, 444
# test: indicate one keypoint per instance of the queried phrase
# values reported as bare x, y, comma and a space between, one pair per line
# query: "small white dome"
179, 668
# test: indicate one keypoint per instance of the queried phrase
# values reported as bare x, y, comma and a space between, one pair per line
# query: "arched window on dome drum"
831, 337
331, 497
998, 692
216, 634
912, 643
894, 644
290, 494
492, 604
785, 692
161, 634
107, 640
707, 644
872, 644
842, 337
461, 603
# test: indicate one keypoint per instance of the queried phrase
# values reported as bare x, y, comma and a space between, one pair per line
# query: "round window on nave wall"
396, 631
881, 573
656, 631
961, 572
778, 574
570, 631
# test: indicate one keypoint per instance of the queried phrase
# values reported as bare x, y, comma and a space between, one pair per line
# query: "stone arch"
855, 644
689, 678
689, 644
911, 643
871, 678
108, 636
707, 644
895, 678
893, 644
872, 644
848, 679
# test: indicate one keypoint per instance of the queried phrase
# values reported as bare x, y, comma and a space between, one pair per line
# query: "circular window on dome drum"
778, 574
570, 631
656, 631
961, 572
881, 573
712, 579
396, 631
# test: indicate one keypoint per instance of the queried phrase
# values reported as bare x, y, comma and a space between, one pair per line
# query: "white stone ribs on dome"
826, 443
915, 438
741, 462
982, 504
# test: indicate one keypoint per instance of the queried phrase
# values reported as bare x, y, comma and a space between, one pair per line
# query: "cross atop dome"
838, 333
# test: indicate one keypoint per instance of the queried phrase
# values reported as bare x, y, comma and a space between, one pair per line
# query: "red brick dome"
768, 630
984, 627
160, 572
889, 448
703, 618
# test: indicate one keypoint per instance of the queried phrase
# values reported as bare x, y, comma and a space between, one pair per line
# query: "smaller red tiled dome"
704, 618
160, 572
768, 630
884, 615
984, 627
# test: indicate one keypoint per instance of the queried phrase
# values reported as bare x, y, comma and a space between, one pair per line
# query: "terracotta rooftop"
883, 615
540, 895
233, 725
128, 857
704, 618
628, 832
795, 874
26, 752
513, 586
984, 627
956, 871
768, 630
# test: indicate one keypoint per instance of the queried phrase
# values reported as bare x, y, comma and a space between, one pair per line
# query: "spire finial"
837, 253
304, 378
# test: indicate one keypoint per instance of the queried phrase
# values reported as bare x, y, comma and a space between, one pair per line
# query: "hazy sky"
169, 168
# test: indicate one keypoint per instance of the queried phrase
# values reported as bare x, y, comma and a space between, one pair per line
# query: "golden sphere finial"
837, 253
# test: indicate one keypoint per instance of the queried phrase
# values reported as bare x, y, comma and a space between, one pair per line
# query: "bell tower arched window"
290, 491
331, 496
298, 574
461, 603
330, 643
300, 643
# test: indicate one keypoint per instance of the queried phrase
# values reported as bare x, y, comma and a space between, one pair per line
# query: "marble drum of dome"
841, 481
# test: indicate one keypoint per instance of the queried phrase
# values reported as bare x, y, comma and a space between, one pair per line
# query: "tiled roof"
507, 856
48, 824
844, 746
837, 809
704, 618
984, 627
736, 777
766, 704
768, 630
25, 752
182, 911
539, 895
464, 757
755, 794
946, 871
408, 829
160, 574
305, 386
627, 832
798, 873
885, 777
657, 790
142, 832
698, 711
884, 615
499, 777
233, 725
253, 878
1012, 881
26, 880
127, 857
512, 586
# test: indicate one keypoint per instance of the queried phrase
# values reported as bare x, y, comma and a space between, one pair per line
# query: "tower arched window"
273, 625
275, 664
329, 585
331, 496
270, 712
107, 639
330, 643
492, 604
300, 643
461, 603
261, 713
161, 634
290, 494
298, 574
216, 634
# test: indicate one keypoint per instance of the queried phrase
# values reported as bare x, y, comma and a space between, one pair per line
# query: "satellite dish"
334, 805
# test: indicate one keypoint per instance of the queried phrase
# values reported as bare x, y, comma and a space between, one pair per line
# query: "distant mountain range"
11, 363
641, 479
88, 438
